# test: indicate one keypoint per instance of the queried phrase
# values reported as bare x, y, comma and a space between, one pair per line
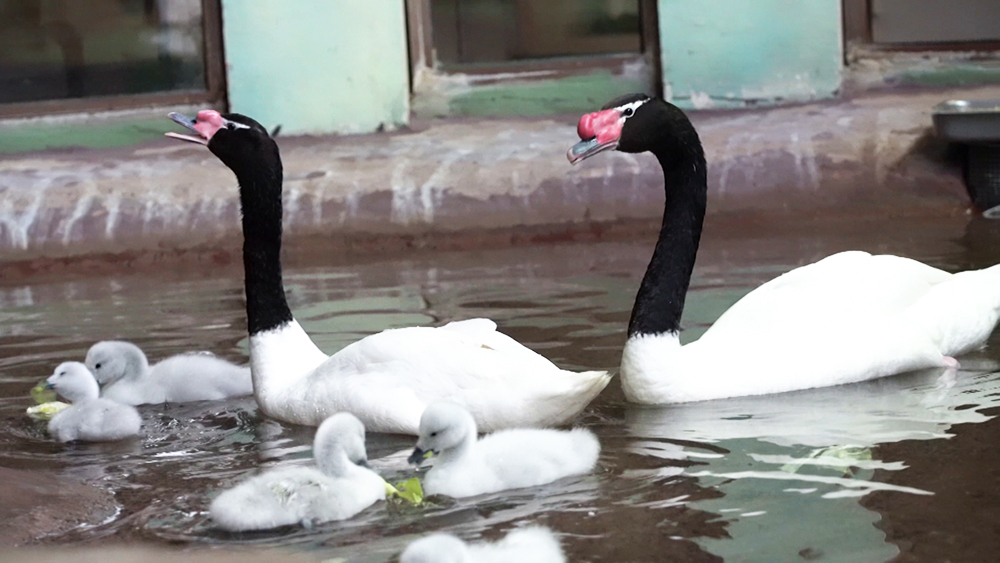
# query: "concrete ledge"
471, 175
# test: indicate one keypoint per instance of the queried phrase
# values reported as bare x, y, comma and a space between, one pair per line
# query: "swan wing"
387, 379
199, 377
456, 341
785, 358
850, 283
534, 456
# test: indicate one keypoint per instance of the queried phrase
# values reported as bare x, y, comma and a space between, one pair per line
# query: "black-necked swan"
536, 544
90, 418
126, 376
339, 487
507, 459
386, 379
849, 317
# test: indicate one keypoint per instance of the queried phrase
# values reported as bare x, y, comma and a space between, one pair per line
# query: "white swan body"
847, 318
126, 376
507, 459
337, 490
89, 418
388, 379
529, 545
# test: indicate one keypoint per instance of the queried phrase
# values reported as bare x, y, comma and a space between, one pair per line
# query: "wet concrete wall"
874, 155
733, 53
315, 66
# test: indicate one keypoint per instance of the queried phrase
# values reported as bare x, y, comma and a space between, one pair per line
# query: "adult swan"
387, 379
847, 318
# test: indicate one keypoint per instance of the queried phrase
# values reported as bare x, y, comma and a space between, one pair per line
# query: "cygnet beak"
419, 455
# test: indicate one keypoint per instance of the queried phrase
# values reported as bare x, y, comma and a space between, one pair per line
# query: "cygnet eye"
433, 434
62, 373
97, 366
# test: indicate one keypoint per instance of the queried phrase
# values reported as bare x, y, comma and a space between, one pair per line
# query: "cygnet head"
112, 360
443, 426
73, 381
435, 548
341, 432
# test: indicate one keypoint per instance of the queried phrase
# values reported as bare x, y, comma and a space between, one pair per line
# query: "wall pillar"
318, 66
738, 53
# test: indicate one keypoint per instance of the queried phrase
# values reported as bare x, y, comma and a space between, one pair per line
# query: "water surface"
779, 478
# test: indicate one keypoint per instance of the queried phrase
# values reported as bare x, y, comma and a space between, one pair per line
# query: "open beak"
419, 455
189, 124
599, 131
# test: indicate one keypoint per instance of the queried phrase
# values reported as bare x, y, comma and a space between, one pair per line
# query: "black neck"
260, 200
660, 301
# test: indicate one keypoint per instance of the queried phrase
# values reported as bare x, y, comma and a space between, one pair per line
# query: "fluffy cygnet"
507, 459
126, 376
90, 418
530, 545
340, 487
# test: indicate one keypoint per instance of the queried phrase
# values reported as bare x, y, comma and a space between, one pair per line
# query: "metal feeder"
976, 124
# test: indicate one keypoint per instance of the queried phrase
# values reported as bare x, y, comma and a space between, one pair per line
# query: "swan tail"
536, 543
586, 447
591, 383
960, 314
585, 386
229, 511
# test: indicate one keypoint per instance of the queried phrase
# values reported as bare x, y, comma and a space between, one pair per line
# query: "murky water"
778, 478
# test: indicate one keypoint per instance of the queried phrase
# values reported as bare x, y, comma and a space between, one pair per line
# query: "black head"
634, 123
236, 139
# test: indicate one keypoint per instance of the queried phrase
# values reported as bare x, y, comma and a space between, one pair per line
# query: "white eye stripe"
235, 125
630, 107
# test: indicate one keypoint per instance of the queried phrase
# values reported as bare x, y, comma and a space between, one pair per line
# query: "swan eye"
628, 112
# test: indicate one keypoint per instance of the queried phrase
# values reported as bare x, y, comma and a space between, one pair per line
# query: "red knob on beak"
585, 129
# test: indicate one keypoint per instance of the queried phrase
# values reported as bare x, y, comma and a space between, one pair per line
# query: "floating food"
47, 406
410, 490
46, 411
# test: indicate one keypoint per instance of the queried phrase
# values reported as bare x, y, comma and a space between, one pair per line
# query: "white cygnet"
126, 376
90, 418
341, 487
530, 545
507, 459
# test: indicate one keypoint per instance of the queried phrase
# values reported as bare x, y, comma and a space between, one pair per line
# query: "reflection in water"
754, 479
782, 452
921, 405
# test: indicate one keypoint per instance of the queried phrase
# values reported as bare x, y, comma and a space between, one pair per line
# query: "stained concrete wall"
316, 66
873, 156
735, 53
